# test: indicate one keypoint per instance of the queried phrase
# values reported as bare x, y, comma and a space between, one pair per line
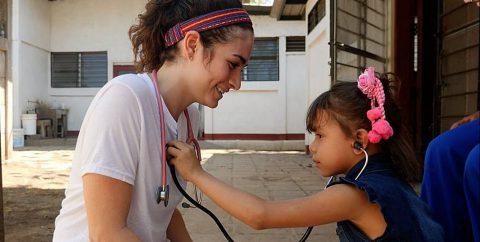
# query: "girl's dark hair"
347, 105
161, 15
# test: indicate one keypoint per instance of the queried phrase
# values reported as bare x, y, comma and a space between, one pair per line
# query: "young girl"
186, 52
358, 133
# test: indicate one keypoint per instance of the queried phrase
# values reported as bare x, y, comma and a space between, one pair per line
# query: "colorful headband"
206, 22
371, 86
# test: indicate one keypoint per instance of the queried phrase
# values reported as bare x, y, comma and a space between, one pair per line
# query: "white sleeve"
110, 135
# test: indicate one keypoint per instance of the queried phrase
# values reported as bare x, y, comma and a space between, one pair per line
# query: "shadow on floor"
30, 213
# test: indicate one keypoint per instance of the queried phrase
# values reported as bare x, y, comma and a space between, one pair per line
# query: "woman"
188, 52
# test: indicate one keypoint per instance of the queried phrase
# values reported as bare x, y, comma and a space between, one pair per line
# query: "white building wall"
30, 45
296, 93
33, 82
102, 25
35, 22
90, 25
42, 27
318, 56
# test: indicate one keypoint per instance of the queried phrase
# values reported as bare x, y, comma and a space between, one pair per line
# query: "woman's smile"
220, 92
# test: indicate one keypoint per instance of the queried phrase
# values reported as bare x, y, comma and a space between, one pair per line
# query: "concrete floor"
272, 175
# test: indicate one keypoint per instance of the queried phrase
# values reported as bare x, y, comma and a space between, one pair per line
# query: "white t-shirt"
120, 138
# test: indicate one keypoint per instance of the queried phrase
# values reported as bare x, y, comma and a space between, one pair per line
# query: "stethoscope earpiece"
357, 145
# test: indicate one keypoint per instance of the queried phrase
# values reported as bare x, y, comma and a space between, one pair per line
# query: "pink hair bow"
371, 86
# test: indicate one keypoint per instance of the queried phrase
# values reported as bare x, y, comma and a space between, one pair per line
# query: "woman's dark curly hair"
161, 15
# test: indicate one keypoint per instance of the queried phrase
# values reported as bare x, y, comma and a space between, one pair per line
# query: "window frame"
337, 47
299, 39
79, 83
252, 57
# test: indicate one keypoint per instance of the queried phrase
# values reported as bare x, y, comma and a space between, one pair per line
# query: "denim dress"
408, 218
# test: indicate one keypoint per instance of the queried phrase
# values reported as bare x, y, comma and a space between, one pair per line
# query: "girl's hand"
184, 158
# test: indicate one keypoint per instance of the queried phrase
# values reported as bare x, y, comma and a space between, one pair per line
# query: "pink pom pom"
374, 137
367, 82
383, 128
374, 114
372, 87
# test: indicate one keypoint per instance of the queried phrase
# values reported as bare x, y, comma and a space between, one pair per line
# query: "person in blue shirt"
451, 183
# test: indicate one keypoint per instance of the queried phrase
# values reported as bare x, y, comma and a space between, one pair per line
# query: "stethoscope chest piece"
163, 194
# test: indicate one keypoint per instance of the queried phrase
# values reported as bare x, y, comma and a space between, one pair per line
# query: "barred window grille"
316, 15
359, 37
79, 69
263, 65
296, 44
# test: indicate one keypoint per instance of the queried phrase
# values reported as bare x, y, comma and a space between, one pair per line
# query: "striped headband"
206, 22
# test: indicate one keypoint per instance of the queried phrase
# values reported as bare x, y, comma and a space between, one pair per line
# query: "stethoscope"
162, 193
358, 146
163, 190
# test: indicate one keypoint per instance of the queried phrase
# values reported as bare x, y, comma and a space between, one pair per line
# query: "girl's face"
332, 150
217, 71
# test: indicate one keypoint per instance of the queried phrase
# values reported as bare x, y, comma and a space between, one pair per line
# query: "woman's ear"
191, 44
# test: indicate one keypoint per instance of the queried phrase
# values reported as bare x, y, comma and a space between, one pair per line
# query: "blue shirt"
408, 218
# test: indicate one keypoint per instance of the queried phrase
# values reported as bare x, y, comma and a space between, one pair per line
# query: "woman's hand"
184, 158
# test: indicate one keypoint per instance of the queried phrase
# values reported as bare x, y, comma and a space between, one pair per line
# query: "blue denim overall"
408, 217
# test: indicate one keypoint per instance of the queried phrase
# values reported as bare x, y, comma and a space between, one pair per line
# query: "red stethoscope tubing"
190, 139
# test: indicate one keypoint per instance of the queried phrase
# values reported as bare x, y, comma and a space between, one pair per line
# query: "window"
4, 6
263, 65
316, 15
119, 70
296, 44
79, 69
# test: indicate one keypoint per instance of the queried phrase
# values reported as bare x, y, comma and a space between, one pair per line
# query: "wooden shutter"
296, 44
64, 70
94, 69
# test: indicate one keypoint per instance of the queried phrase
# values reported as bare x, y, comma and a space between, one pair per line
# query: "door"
296, 95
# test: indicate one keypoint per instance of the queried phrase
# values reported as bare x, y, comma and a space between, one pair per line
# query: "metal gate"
458, 54
358, 37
